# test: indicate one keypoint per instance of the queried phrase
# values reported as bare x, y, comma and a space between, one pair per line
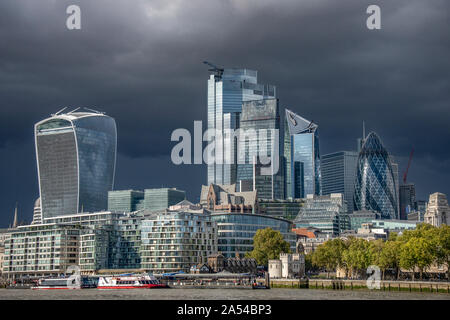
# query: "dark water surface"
214, 294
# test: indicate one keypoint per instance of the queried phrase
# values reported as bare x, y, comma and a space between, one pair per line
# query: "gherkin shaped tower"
375, 185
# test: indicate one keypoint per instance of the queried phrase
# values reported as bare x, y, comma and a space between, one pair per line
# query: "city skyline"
338, 84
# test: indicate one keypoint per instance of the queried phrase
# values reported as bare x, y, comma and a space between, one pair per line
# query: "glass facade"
174, 241
162, 198
259, 115
286, 209
226, 92
407, 197
125, 200
327, 213
338, 174
236, 231
39, 249
301, 145
375, 186
76, 156
358, 218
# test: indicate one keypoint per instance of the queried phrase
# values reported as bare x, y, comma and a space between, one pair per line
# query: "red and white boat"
129, 282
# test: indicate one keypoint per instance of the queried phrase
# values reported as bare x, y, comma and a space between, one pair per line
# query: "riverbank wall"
411, 286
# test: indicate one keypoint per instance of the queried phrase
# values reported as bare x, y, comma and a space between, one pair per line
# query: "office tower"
375, 184
125, 200
260, 149
227, 90
162, 198
76, 157
338, 174
326, 213
301, 145
397, 184
407, 196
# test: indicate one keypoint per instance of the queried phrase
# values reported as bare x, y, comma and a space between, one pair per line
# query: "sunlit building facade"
227, 90
76, 157
260, 149
175, 240
302, 156
375, 185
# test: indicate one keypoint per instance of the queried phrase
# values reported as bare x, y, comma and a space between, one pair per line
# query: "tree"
442, 241
417, 252
390, 256
359, 255
268, 244
329, 255
377, 249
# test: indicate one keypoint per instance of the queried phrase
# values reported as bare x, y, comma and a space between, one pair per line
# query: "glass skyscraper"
407, 200
226, 92
376, 184
302, 156
339, 173
259, 115
76, 158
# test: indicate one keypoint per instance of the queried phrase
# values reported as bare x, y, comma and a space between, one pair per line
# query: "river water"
214, 294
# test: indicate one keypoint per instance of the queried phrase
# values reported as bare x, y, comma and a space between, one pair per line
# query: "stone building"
438, 211
288, 266
216, 262
224, 198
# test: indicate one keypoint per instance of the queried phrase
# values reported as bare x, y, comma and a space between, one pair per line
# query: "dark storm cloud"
140, 62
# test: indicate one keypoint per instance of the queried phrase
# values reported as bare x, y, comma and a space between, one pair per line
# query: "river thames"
215, 294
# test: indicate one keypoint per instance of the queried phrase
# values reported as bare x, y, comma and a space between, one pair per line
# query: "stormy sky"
140, 62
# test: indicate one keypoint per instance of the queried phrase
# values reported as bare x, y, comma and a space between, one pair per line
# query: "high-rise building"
227, 89
76, 157
302, 157
397, 184
407, 198
260, 127
375, 184
339, 173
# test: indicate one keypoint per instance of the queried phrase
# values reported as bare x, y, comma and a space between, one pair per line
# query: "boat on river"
129, 281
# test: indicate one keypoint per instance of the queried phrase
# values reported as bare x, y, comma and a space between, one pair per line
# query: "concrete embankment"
416, 286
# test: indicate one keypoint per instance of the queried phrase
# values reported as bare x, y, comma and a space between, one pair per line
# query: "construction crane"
218, 71
405, 174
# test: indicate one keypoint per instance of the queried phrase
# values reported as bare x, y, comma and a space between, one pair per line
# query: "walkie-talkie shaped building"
76, 158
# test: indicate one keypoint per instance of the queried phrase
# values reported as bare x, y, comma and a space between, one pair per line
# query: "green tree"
442, 242
268, 244
329, 255
390, 257
358, 256
308, 262
417, 252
